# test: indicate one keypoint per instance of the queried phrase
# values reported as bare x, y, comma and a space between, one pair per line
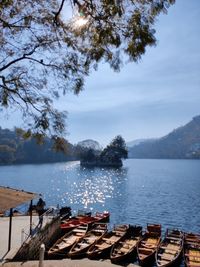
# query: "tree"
88, 155
42, 56
115, 151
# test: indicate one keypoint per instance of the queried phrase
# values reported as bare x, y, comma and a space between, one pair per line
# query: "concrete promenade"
19, 223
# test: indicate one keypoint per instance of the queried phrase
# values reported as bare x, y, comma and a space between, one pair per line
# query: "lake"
154, 191
143, 191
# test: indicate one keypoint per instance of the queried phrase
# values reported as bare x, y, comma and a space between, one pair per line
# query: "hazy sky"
148, 99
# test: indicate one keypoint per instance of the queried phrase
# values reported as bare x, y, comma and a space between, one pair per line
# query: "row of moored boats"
89, 236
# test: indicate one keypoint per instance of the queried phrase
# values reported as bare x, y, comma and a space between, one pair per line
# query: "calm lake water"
154, 191
157, 191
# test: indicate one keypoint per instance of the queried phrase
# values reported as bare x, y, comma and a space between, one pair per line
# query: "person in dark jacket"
40, 210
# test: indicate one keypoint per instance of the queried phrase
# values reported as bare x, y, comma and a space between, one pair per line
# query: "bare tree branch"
19, 59
59, 11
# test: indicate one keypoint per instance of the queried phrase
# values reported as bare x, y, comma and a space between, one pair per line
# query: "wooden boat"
69, 224
102, 216
192, 238
64, 244
192, 250
127, 247
103, 246
169, 252
83, 244
148, 245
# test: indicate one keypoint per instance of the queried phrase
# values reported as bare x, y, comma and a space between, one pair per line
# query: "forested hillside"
182, 143
15, 149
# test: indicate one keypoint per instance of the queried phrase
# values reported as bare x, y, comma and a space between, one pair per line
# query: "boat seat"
113, 238
194, 258
192, 240
193, 264
124, 250
79, 231
131, 242
146, 245
167, 257
190, 255
102, 245
194, 253
78, 234
82, 245
126, 246
172, 252
168, 248
174, 238
146, 249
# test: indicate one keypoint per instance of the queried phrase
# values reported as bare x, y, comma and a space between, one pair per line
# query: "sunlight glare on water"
142, 191
87, 187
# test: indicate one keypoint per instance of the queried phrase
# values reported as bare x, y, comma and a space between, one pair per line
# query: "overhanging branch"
19, 59
58, 13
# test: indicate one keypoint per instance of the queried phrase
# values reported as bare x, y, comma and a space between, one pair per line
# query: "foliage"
88, 155
43, 56
115, 151
112, 155
16, 149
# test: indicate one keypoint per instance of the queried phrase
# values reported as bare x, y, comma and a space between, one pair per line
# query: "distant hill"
14, 150
182, 143
139, 141
90, 144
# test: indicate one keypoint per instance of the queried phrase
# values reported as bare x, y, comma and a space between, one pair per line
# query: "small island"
111, 156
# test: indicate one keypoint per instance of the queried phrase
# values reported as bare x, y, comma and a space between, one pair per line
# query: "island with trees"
111, 156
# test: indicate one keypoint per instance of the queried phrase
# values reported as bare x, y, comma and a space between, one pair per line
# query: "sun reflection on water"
77, 186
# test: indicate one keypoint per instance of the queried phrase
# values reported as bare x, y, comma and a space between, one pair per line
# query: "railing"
47, 234
42, 220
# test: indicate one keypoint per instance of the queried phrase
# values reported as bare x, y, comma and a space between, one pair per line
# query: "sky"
147, 99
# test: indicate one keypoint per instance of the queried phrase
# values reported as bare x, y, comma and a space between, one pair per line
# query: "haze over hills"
139, 141
182, 143
89, 143
16, 150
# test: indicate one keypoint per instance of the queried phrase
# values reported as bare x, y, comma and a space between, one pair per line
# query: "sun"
80, 22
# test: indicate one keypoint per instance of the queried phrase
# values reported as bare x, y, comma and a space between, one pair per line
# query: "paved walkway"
19, 223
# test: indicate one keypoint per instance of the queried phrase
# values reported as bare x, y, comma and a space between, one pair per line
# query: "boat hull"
148, 261
104, 253
129, 256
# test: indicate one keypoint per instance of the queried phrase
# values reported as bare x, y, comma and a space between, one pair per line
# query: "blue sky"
147, 99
